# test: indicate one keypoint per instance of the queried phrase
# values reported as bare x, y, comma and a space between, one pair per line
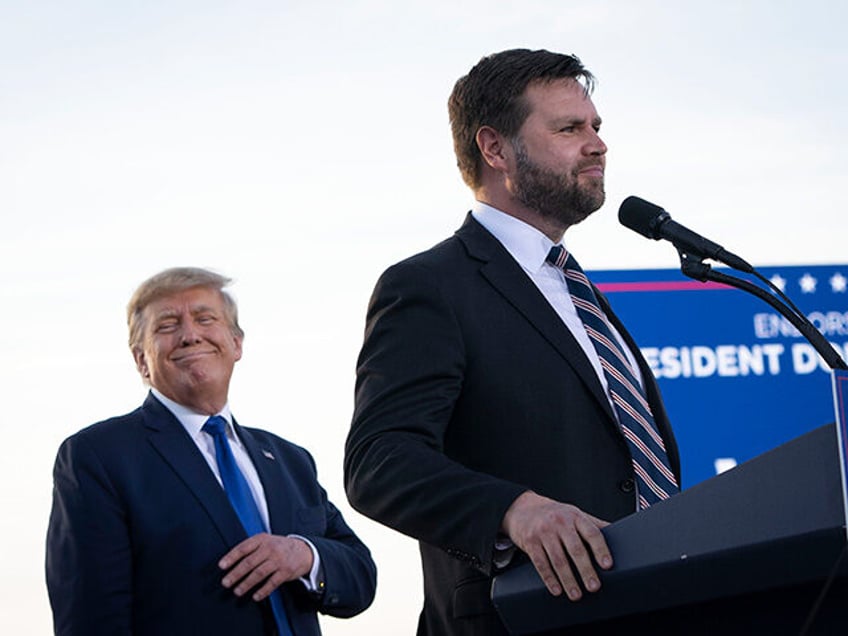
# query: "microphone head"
642, 217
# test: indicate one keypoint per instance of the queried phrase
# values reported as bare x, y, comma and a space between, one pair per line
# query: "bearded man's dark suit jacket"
470, 390
139, 522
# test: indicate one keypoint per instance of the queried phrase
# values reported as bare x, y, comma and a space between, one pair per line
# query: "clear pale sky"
302, 147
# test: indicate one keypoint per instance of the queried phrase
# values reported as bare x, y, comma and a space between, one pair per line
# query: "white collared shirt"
529, 247
193, 423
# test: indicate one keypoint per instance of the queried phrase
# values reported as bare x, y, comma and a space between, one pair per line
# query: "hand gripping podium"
746, 552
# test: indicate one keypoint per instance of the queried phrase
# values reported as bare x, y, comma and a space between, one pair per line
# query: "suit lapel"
179, 451
274, 480
507, 277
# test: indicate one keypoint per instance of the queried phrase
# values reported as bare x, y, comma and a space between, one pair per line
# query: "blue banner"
738, 379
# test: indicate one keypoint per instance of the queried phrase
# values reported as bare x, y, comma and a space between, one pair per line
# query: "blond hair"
171, 281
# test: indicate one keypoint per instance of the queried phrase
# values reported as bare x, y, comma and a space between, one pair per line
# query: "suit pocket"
471, 598
311, 520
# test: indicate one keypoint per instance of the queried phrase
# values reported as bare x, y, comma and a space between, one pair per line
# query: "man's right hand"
551, 533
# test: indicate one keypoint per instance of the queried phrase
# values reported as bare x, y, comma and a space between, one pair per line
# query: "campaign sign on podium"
737, 378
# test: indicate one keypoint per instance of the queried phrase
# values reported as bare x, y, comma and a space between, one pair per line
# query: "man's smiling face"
189, 348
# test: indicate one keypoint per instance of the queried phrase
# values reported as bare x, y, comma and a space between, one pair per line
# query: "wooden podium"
746, 552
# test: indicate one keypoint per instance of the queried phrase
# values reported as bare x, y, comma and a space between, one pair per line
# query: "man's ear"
141, 362
238, 350
494, 148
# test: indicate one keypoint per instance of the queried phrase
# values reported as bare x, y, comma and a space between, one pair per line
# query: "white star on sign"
808, 284
838, 283
778, 281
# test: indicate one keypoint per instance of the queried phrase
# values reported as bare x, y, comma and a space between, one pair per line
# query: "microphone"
653, 222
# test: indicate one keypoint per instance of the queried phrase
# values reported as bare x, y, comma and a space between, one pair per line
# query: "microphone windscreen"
641, 216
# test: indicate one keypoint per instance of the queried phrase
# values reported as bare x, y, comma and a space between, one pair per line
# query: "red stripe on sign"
659, 286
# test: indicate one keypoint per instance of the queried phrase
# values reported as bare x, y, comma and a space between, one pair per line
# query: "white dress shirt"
193, 424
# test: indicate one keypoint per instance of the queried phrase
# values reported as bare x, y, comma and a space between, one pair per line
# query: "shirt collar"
526, 244
193, 421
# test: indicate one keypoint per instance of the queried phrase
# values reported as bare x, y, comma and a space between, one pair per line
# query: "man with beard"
487, 424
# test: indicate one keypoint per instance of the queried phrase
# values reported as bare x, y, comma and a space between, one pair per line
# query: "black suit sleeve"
89, 561
397, 468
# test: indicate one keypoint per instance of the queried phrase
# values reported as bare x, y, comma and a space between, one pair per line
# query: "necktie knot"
558, 256
216, 426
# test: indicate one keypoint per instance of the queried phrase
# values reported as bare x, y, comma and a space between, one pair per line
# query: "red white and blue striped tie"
650, 462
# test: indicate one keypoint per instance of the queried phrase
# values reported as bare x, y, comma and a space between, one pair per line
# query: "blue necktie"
650, 462
242, 501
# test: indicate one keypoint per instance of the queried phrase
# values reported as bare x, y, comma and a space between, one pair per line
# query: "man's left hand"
266, 559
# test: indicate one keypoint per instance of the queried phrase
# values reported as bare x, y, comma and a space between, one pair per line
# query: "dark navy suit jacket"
139, 523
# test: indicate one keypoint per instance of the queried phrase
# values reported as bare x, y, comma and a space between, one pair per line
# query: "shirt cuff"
311, 582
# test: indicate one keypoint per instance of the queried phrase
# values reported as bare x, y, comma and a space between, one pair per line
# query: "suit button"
626, 485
